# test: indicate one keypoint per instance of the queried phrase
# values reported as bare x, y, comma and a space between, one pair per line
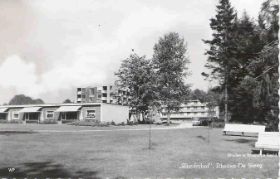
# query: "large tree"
170, 64
247, 44
136, 74
198, 94
22, 99
261, 83
265, 67
221, 46
245, 60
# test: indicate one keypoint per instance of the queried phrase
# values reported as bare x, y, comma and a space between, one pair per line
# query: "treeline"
22, 99
243, 58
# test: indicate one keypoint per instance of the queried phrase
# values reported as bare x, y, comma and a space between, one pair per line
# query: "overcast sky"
50, 47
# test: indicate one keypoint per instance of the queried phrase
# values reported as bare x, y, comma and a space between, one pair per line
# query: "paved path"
86, 129
184, 125
180, 126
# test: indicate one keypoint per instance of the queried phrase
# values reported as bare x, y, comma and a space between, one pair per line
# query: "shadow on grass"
243, 141
201, 137
45, 170
16, 132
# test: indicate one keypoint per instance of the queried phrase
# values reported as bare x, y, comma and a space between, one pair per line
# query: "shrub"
217, 124
48, 121
81, 123
131, 123
15, 121
92, 123
103, 124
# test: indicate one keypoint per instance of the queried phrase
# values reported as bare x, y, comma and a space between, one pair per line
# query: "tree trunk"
143, 117
138, 116
168, 118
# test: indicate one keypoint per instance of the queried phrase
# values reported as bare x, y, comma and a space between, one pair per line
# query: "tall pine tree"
246, 44
221, 46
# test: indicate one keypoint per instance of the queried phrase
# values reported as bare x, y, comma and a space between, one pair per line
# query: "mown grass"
114, 154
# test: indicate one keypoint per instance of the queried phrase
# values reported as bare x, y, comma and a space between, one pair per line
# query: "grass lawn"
124, 153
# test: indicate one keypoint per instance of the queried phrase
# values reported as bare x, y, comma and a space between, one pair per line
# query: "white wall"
116, 113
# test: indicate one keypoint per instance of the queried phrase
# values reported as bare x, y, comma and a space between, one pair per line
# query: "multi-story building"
193, 109
103, 94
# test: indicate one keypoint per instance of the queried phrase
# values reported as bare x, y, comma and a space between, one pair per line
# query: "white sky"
50, 47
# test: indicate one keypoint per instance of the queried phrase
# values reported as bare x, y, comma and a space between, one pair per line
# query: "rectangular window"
3, 116
104, 87
91, 99
104, 94
50, 114
99, 94
90, 114
15, 115
64, 116
91, 91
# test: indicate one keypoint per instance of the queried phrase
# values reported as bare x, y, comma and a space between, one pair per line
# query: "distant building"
103, 94
192, 109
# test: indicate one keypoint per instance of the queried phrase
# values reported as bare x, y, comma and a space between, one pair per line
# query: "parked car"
200, 122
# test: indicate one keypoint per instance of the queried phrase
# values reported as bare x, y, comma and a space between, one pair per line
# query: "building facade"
103, 94
192, 109
62, 113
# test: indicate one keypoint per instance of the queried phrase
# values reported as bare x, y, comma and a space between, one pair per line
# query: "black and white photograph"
139, 89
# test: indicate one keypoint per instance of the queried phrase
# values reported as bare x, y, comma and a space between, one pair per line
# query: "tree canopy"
22, 99
243, 56
136, 74
170, 63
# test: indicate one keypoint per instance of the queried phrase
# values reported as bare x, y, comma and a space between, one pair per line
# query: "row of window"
188, 113
90, 114
195, 107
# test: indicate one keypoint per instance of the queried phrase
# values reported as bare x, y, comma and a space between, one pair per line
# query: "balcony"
104, 98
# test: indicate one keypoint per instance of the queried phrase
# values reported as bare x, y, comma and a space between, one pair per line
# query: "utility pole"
226, 78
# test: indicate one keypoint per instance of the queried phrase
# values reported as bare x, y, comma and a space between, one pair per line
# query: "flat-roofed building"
61, 113
192, 109
103, 94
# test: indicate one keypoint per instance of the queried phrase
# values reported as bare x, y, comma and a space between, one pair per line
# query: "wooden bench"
243, 129
267, 141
